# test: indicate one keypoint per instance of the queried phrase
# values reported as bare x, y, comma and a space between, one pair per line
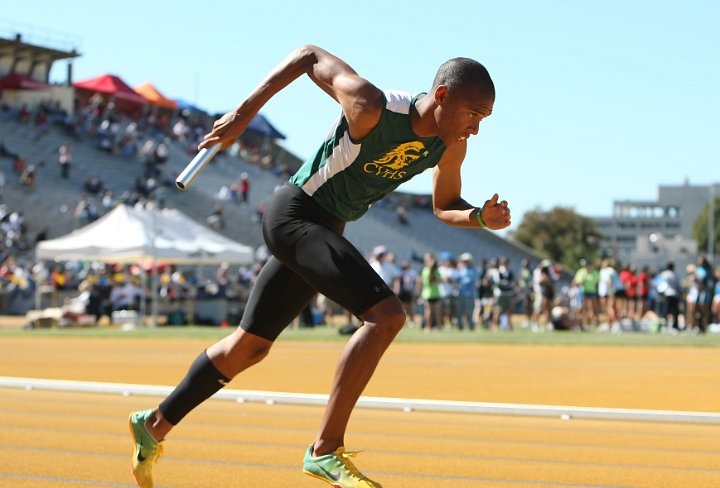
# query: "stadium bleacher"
50, 205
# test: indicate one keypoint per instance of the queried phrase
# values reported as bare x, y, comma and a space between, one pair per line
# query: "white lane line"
405, 404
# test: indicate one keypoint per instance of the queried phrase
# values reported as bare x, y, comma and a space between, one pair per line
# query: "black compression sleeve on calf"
201, 382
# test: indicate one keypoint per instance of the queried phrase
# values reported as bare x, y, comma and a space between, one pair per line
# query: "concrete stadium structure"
653, 232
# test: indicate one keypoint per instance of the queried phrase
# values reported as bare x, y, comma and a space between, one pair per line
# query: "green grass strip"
407, 335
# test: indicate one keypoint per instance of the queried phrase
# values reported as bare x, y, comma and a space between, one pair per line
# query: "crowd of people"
90, 292
460, 293
437, 291
144, 136
98, 122
663, 299
13, 232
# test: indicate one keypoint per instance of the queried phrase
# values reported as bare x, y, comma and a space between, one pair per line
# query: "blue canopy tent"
185, 105
260, 125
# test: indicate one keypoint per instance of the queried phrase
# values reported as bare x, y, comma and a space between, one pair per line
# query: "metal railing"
40, 36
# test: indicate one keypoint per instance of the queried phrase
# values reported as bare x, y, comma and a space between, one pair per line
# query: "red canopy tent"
18, 81
153, 96
111, 85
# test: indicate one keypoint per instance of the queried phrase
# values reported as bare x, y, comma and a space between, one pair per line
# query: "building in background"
27, 55
654, 232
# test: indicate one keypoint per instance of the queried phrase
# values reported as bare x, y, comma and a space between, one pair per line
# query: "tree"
700, 228
561, 234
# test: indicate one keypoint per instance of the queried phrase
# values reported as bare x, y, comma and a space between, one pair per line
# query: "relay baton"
196, 166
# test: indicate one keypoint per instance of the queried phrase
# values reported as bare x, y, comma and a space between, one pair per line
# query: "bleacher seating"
51, 203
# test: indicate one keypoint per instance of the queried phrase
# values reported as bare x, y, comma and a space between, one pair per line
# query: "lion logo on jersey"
390, 164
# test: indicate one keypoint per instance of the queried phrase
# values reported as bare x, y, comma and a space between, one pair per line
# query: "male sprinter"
381, 139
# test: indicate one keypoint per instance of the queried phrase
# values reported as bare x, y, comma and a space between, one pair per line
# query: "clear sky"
596, 101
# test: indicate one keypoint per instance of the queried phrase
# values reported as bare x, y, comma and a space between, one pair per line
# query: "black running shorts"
309, 255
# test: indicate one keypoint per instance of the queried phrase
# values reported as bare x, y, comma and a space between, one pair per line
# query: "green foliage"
561, 234
700, 228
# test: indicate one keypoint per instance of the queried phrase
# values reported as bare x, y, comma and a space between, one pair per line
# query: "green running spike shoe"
147, 450
337, 469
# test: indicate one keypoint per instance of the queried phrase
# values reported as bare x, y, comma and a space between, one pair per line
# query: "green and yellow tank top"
346, 176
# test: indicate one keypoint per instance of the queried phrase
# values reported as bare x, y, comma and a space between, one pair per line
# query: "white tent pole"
154, 295
143, 297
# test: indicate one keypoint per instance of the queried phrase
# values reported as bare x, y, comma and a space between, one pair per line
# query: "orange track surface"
75, 439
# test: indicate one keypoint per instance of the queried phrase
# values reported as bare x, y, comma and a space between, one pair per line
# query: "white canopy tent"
137, 235
145, 236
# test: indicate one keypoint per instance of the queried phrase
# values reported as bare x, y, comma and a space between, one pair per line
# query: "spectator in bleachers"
58, 278
27, 178
42, 123
86, 210
94, 185
222, 275
108, 201
65, 160
402, 215
95, 104
148, 156
126, 147
73, 125
19, 165
234, 192
216, 219
224, 194
12, 232
15, 279
180, 130
260, 211
24, 114
40, 272
244, 188
105, 135
124, 295
149, 186
161, 153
